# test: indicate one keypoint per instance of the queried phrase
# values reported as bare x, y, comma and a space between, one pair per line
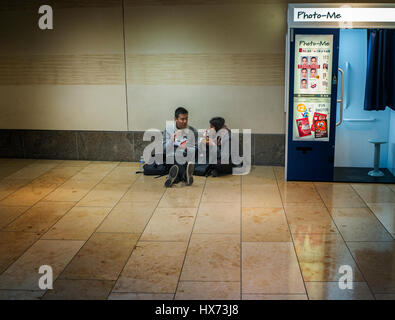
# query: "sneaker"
173, 173
189, 173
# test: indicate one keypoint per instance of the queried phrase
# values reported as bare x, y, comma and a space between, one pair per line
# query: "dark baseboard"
266, 149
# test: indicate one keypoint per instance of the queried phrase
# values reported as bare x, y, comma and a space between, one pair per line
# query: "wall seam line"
125, 65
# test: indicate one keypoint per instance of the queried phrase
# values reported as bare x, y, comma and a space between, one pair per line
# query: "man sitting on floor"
180, 145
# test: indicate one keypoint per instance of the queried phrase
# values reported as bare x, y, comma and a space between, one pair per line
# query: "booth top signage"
344, 14
341, 15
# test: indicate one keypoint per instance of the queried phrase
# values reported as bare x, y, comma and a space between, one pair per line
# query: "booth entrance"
330, 137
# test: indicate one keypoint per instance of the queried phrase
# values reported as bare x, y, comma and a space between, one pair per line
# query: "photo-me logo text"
329, 15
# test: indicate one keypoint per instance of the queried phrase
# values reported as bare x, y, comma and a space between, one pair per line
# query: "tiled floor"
109, 233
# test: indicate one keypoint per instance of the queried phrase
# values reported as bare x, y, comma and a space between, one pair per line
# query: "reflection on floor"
353, 174
109, 233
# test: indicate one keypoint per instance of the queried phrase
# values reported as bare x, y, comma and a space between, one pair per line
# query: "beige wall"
216, 57
217, 60
69, 78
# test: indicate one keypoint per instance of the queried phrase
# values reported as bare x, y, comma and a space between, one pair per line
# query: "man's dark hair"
179, 111
313, 69
314, 58
217, 123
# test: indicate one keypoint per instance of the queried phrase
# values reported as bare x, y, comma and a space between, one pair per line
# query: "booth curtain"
380, 75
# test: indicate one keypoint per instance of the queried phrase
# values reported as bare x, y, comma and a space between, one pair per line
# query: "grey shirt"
168, 138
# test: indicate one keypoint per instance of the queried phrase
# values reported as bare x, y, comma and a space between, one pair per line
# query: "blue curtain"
380, 75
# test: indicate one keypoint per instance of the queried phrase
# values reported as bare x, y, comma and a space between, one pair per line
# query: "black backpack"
154, 169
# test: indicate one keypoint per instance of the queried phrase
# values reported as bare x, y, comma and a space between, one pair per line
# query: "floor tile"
256, 296
321, 255
79, 290
258, 180
375, 193
377, 261
23, 273
299, 192
21, 295
265, 196
9, 186
279, 173
218, 218
212, 257
71, 190
40, 217
262, 171
125, 175
332, 291
385, 212
94, 172
58, 175
104, 195
181, 198
102, 257
131, 217
309, 218
129, 164
145, 188
264, 224
13, 245
105, 163
388, 296
270, 267
140, 296
339, 195
359, 224
261, 175
9, 214
189, 290
227, 179
29, 194
222, 192
391, 186
154, 267
32, 171
7, 171
78, 224
74, 163
170, 224
54, 162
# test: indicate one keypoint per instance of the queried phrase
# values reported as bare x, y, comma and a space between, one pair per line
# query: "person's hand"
176, 134
211, 142
183, 145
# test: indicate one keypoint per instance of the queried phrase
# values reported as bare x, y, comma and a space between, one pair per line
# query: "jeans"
182, 168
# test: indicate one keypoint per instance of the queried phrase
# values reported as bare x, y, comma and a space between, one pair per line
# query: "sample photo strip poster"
312, 87
313, 64
311, 119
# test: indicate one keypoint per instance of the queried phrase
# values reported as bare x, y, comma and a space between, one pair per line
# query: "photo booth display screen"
312, 87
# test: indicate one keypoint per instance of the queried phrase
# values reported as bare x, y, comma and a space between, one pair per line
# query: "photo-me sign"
344, 15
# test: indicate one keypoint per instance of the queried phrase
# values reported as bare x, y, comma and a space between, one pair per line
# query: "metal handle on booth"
341, 99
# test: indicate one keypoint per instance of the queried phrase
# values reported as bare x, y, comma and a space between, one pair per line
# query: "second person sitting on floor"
219, 161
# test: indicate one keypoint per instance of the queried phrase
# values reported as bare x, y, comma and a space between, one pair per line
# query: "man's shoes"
189, 173
173, 173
